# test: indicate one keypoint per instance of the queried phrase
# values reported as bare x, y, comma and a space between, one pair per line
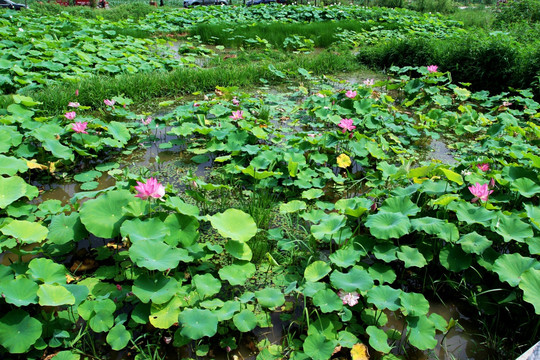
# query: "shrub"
518, 10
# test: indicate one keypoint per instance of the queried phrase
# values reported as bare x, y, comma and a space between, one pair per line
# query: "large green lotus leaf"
292, 206
104, 216
54, 295
234, 224
206, 285
312, 194
474, 243
533, 213
80, 292
228, 309
47, 134
382, 273
25, 231
400, 204
317, 347
47, 271
347, 339
411, 257
452, 176
346, 257
328, 301
270, 297
329, 225
150, 229
9, 136
11, 189
10, 165
19, 292
353, 206
526, 187
413, 304
65, 228
239, 250
103, 317
156, 255
245, 320
454, 258
384, 297
158, 289
197, 323
67, 355
534, 245
357, 279
118, 337
429, 225
238, 272
530, 284
182, 207
472, 214
509, 267
316, 271
385, 225
183, 230
19, 331
421, 332
119, 131
511, 228
378, 339
163, 316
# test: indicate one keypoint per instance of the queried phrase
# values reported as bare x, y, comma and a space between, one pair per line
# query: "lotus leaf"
474, 243
411, 257
328, 301
25, 231
378, 339
382, 273
206, 285
118, 337
413, 304
386, 225
11, 165
156, 255
385, 252
353, 206
163, 316
245, 321
66, 355
384, 297
472, 214
182, 207
312, 194
292, 206
509, 267
237, 273
47, 271
511, 228
11, 189
150, 229
234, 224
54, 295
98, 313
270, 297
526, 187
197, 323
317, 347
345, 257
104, 216
316, 271
330, 225
65, 228
227, 311
183, 230
400, 204
530, 284
421, 332
239, 250
87, 176
357, 279
19, 331
158, 289
19, 292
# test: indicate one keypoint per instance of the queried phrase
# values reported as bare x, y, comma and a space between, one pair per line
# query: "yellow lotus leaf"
33, 164
359, 352
52, 167
343, 161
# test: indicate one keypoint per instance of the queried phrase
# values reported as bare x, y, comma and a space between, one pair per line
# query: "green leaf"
357, 279
317, 347
526, 187
150, 229
452, 176
454, 258
509, 267
234, 224
413, 304
378, 339
400, 204
119, 132
245, 321
474, 243
472, 214
65, 228
54, 295
292, 207
67, 355
312, 194
158, 289
87, 176
411, 257
156, 255
239, 250
198, 323
206, 285
421, 332
385, 225
118, 337
316, 271
345, 257
19, 291
163, 316
328, 301
19, 331
104, 216
353, 206
329, 225
11, 189
11, 165
511, 228
47, 271
530, 284
25, 231
384, 297
228, 309
270, 297
237, 273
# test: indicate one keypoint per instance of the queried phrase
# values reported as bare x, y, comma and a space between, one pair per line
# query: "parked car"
188, 3
8, 4
99, 3
257, 2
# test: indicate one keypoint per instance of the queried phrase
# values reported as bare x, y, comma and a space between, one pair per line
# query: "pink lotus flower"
346, 124
235, 101
237, 115
74, 104
320, 95
70, 115
480, 192
79, 127
196, 105
492, 183
432, 68
506, 103
369, 82
109, 102
350, 94
484, 167
149, 189
77, 92
350, 299
147, 121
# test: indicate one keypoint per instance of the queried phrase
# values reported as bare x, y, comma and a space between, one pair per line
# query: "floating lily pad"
65, 228
421, 332
87, 176
328, 301
384, 297
104, 216
413, 304
151, 229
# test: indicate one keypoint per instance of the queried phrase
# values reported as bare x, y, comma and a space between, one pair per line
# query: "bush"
518, 10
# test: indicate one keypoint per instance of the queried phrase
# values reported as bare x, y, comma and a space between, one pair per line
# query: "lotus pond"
391, 216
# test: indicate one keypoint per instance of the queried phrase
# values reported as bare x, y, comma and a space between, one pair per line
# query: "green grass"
121, 12
477, 17
146, 87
